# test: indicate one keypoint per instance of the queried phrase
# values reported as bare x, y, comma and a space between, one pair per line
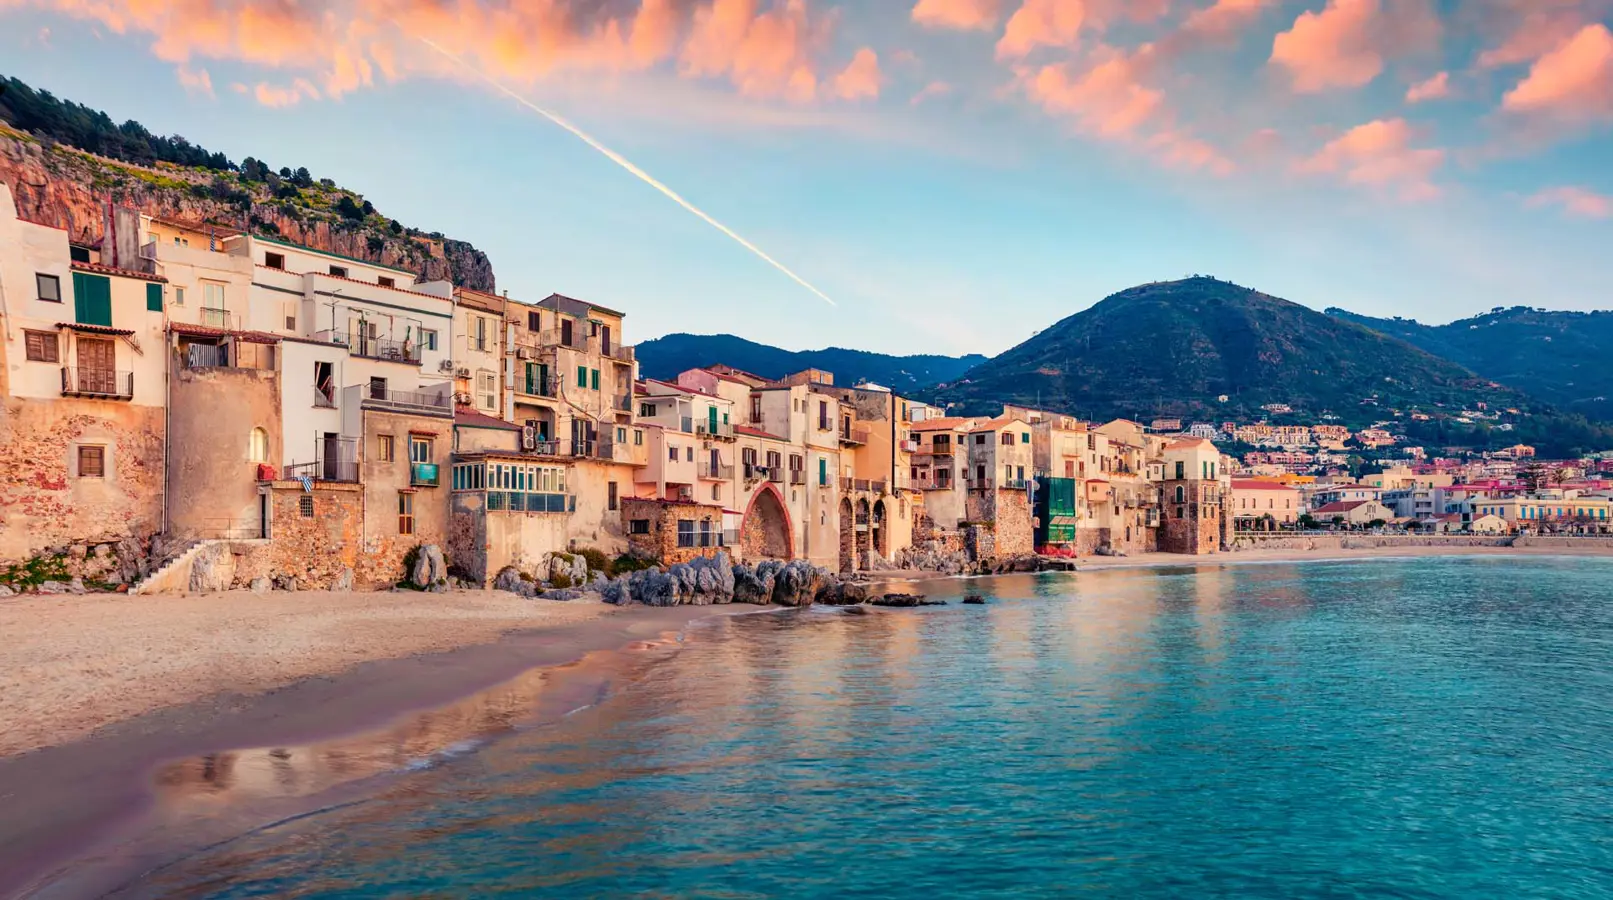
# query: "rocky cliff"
68, 188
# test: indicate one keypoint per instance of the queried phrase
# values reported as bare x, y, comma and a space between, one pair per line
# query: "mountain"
62, 160
1177, 348
1559, 357
665, 357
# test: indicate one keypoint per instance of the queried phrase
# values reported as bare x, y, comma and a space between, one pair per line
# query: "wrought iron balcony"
219, 318
106, 384
718, 472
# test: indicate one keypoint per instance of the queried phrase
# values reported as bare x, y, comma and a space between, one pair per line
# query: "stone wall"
1191, 525
313, 549
1015, 535
213, 484
385, 544
45, 504
661, 542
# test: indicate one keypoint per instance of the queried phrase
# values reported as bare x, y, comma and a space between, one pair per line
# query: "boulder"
905, 601
975, 600
76, 586
261, 585
572, 566
843, 593
858, 610
564, 595
797, 583
705, 582
646, 587
509, 579
344, 580
753, 585
285, 583
6, 591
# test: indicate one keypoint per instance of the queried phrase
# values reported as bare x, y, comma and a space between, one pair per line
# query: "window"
593, 377
980, 439
383, 448
213, 295
257, 446
533, 322
621, 435
685, 532
91, 462
610, 495
325, 384
339, 271
291, 323
480, 342
756, 407
43, 346
428, 338
305, 505
274, 260
487, 389
823, 415
638, 438
823, 472
638, 526
647, 410
419, 449
716, 492
179, 296
582, 376
405, 513
153, 297
1181, 471
672, 454
1008, 439
688, 454
386, 281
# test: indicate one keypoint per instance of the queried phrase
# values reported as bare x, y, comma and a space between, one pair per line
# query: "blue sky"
1275, 146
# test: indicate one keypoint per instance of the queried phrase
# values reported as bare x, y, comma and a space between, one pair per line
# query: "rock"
797, 583
207, 570
430, 569
975, 600
76, 586
261, 585
564, 595
285, 583
573, 566
858, 610
6, 591
843, 593
509, 579
617, 592
344, 580
753, 585
53, 587
905, 601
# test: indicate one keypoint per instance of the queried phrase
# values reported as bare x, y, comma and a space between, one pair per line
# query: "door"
97, 366
711, 420
565, 332
331, 458
716, 463
604, 339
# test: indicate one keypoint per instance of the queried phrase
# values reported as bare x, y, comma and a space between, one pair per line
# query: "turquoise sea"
1433, 728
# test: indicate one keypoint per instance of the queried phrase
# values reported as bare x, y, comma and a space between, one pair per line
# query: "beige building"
1258, 505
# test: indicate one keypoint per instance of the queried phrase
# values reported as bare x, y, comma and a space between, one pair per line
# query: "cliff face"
68, 188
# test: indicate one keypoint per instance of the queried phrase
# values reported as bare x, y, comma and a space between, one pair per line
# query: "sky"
909, 176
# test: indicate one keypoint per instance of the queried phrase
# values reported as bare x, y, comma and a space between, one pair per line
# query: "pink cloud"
1042, 23
1347, 43
1379, 155
861, 79
962, 15
1571, 83
931, 91
1435, 88
277, 96
1225, 16
195, 81
1576, 201
1527, 29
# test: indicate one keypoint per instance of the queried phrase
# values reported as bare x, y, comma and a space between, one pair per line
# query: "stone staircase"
174, 574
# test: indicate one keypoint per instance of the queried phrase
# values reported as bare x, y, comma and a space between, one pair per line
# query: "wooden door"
97, 366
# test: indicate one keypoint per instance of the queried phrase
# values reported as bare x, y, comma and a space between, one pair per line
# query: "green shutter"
154, 297
92, 299
595, 379
582, 376
823, 472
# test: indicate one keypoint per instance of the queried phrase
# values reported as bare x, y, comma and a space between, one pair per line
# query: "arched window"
257, 446
1181, 493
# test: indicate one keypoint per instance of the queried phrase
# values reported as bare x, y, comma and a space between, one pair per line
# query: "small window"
428, 338
582, 376
980, 439
647, 410
257, 446
383, 448
685, 532
92, 462
689, 454
275, 260
610, 495
341, 272
672, 454
621, 435
291, 323
638, 526
716, 492
420, 449
50, 287
179, 296
384, 281
405, 514
1008, 439
594, 378
42, 346
305, 505
638, 438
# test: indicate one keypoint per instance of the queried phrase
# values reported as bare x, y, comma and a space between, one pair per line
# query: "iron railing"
540, 387
521, 501
206, 356
107, 383
386, 348
218, 318
424, 474
718, 472
705, 428
854, 435
438, 402
798, 476
340, 471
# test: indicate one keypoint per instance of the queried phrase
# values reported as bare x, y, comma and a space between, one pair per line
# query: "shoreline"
68, 803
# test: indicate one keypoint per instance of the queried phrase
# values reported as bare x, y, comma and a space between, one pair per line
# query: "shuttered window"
92, 462
154, 297
92, 299
42, 346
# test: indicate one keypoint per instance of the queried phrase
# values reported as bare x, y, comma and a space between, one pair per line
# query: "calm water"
1434, 728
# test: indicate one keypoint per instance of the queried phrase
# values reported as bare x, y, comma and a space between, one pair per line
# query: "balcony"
718, 472
539, 387
426, 403
105, 384
853, 435
205, 356
798, 476
555, 337
521, 501
620, 353
775, 474
1013, 484
931, 484
596, 449
386, 349
219, 318
336, 470
719, 430
424, 475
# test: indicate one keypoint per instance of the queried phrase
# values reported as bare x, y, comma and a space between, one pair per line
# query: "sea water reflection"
1409, 728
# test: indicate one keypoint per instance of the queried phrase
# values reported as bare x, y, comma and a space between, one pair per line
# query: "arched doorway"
848, 538
881, 534
862, 533
765, 532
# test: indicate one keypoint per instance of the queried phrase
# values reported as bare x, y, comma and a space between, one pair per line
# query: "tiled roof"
470, 418
945, 424
755, 432
594, 306
1255, 484
94, 329
256, 337
114, 270
1190, 444
1342, 506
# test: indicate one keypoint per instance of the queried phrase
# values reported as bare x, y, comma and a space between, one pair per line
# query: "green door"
711, 420
92, 299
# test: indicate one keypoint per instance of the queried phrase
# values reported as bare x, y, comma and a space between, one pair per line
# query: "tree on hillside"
302, 178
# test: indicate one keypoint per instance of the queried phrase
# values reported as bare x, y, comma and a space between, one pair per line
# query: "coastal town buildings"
1259, 505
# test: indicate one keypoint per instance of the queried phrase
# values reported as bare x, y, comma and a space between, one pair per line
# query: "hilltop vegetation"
665, 357
62, 158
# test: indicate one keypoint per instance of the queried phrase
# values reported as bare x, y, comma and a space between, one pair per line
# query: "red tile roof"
256, 337
755, 432
114, 270
1342, 506
1190, 444
94, 329
470, 418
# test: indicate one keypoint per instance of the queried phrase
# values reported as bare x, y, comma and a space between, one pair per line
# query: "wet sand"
62, 800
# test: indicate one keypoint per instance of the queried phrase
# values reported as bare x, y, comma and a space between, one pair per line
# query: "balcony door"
97, 366
604, 339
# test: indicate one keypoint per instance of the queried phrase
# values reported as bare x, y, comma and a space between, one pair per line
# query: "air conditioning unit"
524, 353
462, 372
462, 398
529, 438
446, 365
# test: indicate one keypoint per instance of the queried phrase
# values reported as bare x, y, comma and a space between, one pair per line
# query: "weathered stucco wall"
385, 545
212, 480
45, 503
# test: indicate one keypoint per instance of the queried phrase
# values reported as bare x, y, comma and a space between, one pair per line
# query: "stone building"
1193, 497
672, 532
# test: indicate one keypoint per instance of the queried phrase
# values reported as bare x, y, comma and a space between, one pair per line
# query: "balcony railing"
879, 486
219, 318
798, 476
775, 474
387, 349
424, 474
705, 428
104, 383
620, 353
540, 387
341, 471
206, 356
431, 403
554, 337
1013, 484
702, 539
521, 501
718, 472
853, 435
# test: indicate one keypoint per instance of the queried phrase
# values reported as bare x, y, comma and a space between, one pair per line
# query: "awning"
95, 329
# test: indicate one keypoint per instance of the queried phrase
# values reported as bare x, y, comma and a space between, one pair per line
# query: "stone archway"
765, 532
880, 531
848, 538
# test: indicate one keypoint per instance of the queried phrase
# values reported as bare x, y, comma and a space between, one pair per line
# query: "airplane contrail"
622, 161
